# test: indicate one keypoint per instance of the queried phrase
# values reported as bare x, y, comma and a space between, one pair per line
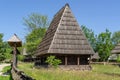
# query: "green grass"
106, 69
4, 77
99, 72
5, 69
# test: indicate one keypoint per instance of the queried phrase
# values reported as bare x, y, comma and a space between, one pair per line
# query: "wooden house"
65, 40
115, 53
116, 50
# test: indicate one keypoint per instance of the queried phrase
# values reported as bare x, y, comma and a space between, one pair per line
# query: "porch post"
78, 60
65, 60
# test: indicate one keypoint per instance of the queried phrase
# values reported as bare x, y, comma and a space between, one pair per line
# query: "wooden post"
78, 60
65, 60
14, 42
15, 55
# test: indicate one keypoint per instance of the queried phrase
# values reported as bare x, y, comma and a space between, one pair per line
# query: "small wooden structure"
115, 52
65, 40
95, 57
113, 58
15, 42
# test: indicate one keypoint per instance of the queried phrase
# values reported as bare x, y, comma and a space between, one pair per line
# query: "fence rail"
111, 63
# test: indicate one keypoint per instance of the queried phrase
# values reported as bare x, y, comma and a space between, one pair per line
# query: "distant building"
115, 53
113, 58
27, 56
24, 52
65, 40
95, 57
116, 50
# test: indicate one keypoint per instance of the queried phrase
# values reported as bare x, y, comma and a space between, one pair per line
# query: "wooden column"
65, 60
41, 60
90, 60
15, 55
78, 60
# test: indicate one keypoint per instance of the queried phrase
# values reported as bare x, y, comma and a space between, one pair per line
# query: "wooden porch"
69, 62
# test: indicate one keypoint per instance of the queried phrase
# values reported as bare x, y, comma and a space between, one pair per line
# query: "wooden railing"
111, 63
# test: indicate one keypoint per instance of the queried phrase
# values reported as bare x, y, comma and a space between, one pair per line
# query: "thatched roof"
116, 50
15, 40
95, 56
64, 36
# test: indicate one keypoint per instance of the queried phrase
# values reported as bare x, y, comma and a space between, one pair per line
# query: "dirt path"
2, 66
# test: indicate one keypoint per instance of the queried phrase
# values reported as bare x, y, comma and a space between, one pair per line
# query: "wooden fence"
109, 63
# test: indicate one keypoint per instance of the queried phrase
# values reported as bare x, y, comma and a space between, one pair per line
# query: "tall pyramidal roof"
64, 36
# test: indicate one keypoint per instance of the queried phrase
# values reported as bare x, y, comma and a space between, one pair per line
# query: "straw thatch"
116, 50
15, 40
64, 36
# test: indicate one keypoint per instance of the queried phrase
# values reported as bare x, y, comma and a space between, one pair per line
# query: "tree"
116, 37
36, 24
104, 45
33, 39
2, 49
52, 61
90, 36
35, 21
7, 50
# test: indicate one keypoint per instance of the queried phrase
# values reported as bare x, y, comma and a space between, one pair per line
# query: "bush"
118, 59
21, 57
52, 61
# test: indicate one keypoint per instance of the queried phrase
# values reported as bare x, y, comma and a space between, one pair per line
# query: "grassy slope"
99, 72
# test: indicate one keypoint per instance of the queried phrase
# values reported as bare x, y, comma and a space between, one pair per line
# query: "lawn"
4, 77
99, 72
5, 69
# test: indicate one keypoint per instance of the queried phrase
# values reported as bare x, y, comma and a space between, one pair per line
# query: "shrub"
52, 61
118, 59
21, 57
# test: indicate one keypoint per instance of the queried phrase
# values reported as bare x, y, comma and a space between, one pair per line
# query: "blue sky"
95, 14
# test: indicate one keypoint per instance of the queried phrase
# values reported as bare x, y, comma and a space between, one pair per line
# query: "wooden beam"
78, 60
65, 60
15, 55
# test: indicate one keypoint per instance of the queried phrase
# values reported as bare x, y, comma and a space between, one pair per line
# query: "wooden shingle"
116, 50
15, 40
64, 36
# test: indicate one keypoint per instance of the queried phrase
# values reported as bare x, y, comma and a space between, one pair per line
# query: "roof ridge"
60, 10
51, 26
67, 4
58, 25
